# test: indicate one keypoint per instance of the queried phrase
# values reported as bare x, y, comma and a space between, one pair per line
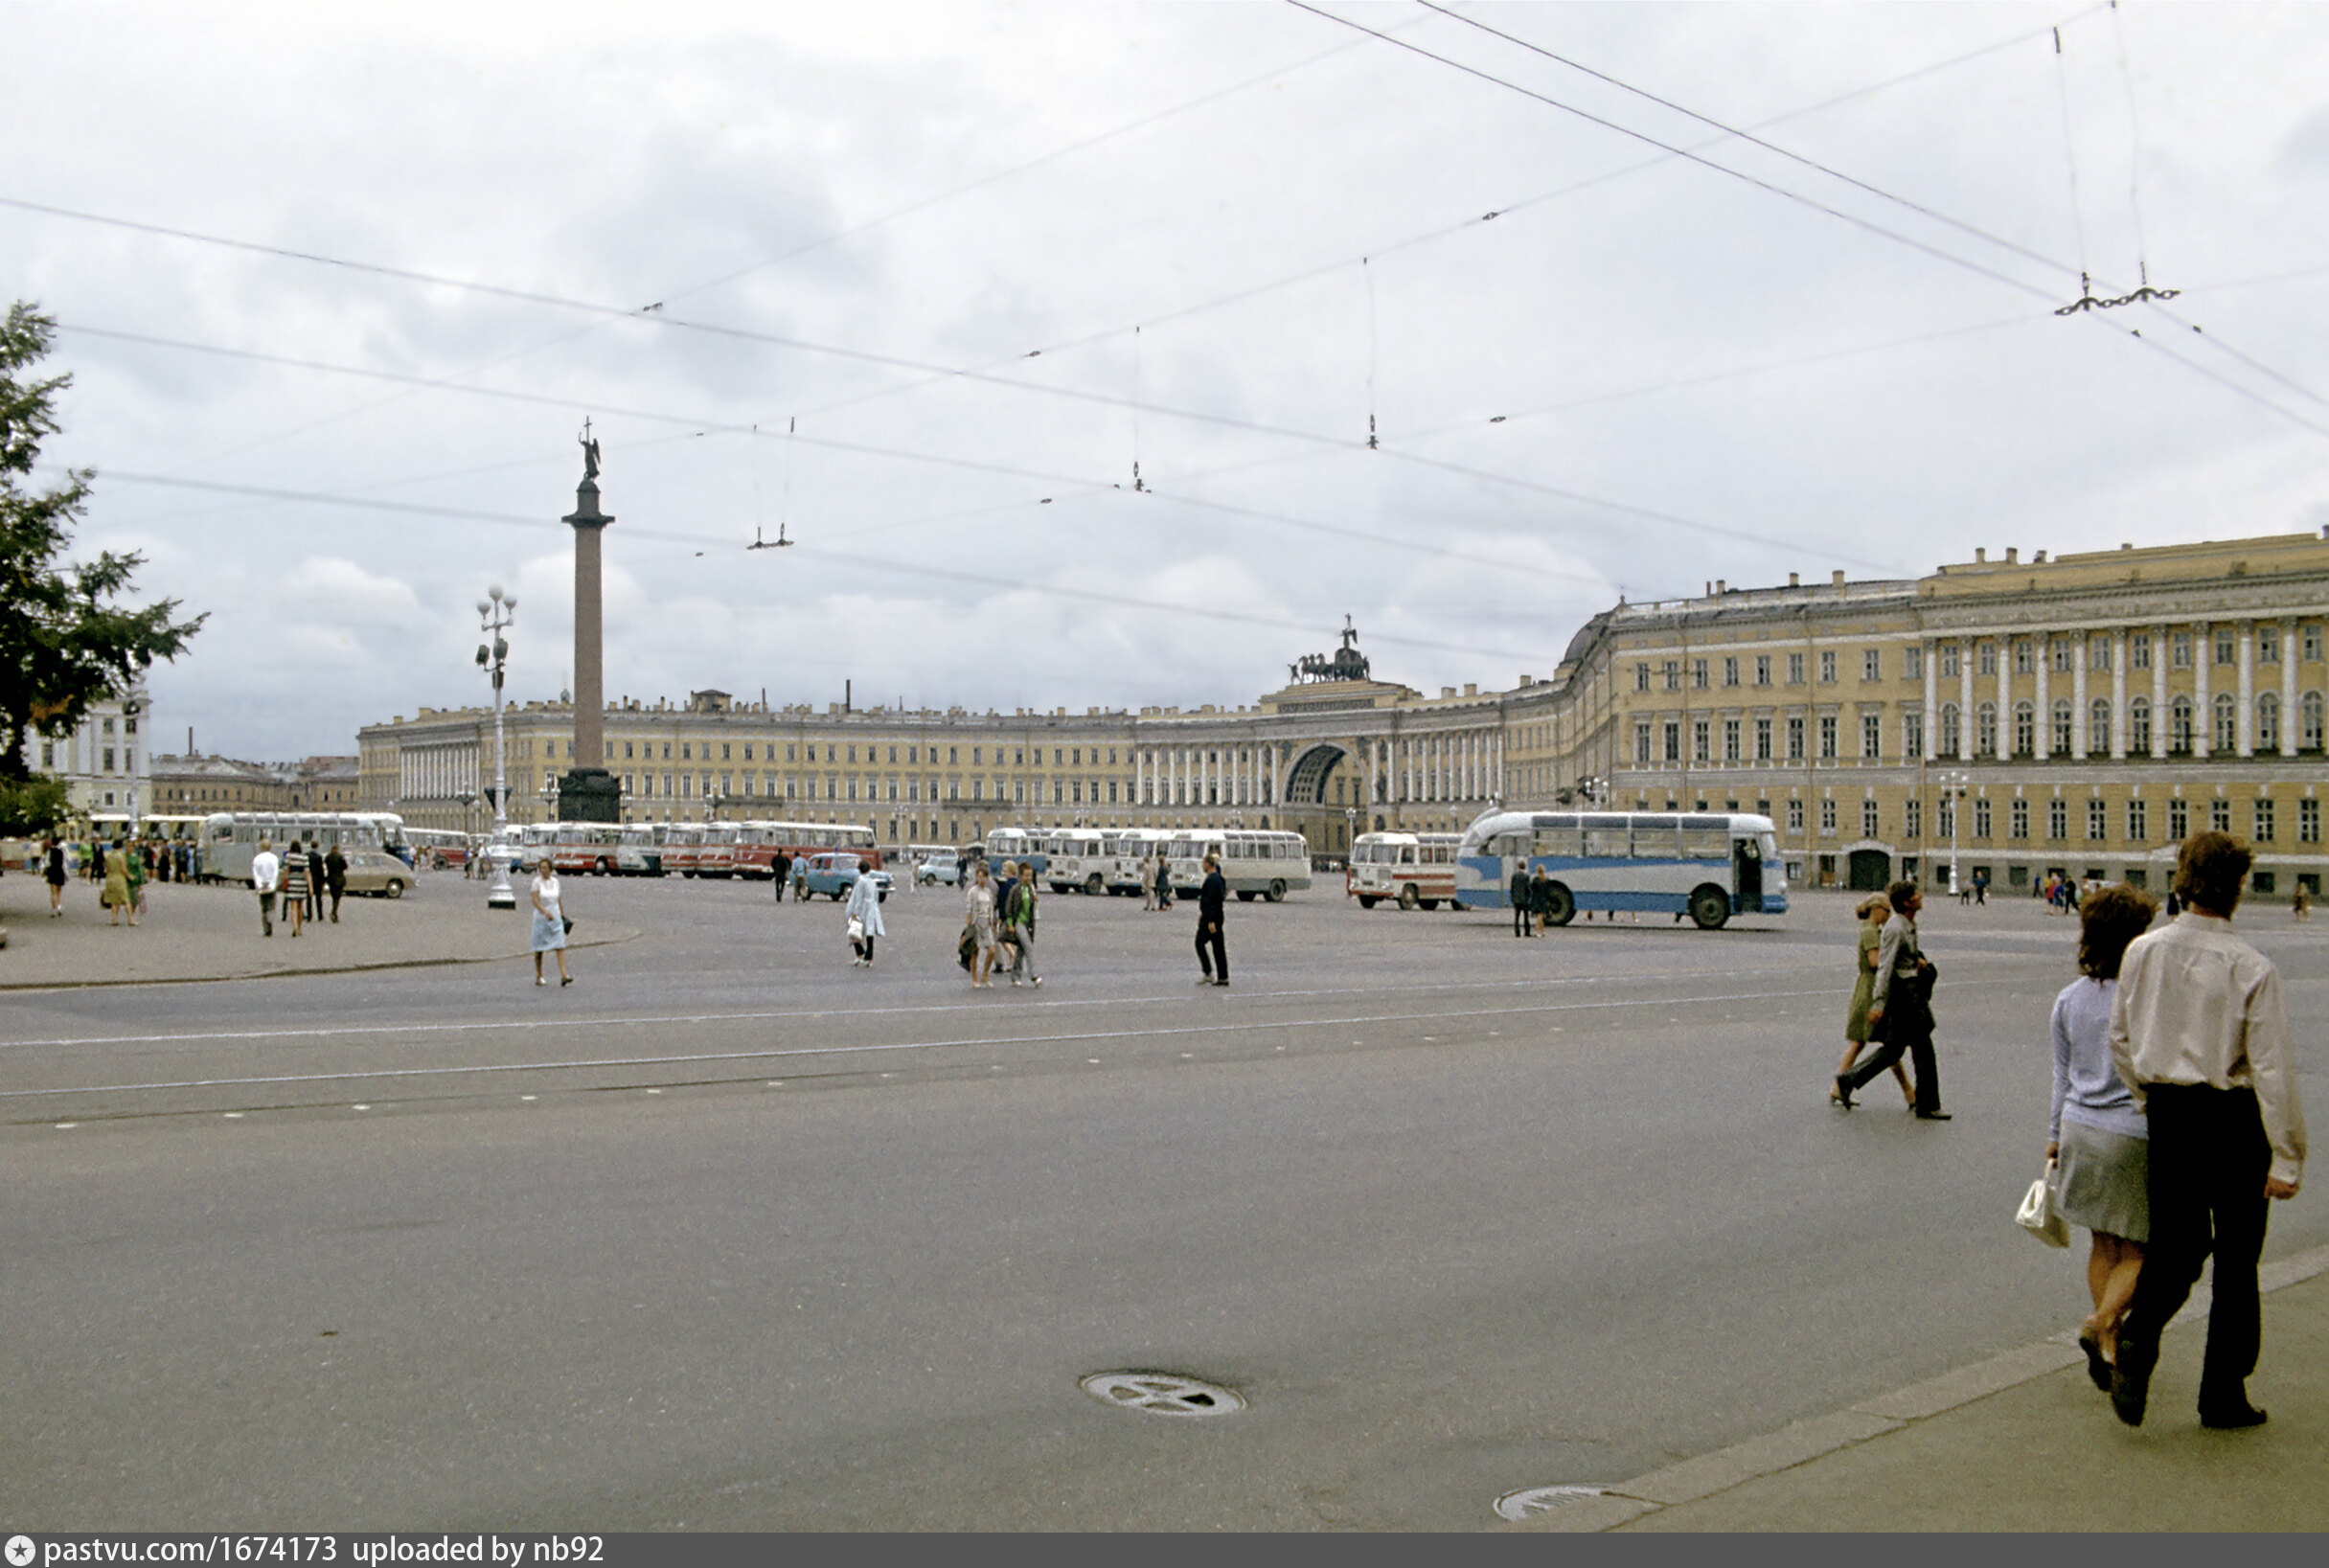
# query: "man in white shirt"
266, 875
2200, 1032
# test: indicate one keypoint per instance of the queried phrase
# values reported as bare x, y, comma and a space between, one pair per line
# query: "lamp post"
469, 833
494, 617
1952, 781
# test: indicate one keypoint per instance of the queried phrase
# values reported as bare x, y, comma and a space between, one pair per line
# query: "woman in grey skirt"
2095, 1133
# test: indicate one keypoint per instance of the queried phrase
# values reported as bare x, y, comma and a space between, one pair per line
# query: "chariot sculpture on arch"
1345, 664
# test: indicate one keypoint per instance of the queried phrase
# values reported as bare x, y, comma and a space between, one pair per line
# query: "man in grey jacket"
1898, 1006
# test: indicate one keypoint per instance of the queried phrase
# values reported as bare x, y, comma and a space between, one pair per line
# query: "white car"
940, 868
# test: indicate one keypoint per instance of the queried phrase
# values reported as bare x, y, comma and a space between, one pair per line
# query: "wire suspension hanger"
2086, 298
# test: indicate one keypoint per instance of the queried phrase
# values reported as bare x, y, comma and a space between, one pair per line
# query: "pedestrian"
978, 922
1018, 925
779, 869
115, 894
2175, 905
1147, 884
1873, 912
550, 921
135, 864
294, 887
2300, 907
1210, 900
1164, 881
865, 916
1980, 890
800, 880
335, 879
266, 879
96, 860
315, 877
55, 876
1517, 894
2095, 1138
1899, 1008
1540, 902
2199, 1032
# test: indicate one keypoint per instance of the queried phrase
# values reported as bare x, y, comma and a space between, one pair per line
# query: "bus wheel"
1710, 907
1277, 889
1367, 900
604, 868
1408, 898
1560, 905
1093, 886
1245, 896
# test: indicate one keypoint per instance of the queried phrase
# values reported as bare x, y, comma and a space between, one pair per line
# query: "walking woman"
294, 887
136, 866
116, 895
1872, 916
2096, 1137
865, 916
978, 913
55, 876
549, 921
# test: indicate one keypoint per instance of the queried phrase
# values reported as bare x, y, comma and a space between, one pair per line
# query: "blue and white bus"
1707, 865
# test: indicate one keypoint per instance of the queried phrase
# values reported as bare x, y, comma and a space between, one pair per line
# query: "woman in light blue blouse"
2095, 1132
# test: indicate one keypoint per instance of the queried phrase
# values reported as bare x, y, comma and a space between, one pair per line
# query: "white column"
2244, 733
2288, 646
1929, 657
1965, 699
2043, 738
2202, 654
2159, 691
2118, 694
2081, 651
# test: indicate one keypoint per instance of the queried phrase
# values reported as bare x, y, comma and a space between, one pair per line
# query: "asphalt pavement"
733, 1235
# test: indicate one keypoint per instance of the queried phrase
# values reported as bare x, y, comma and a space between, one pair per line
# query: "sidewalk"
190, 932
2024, 1442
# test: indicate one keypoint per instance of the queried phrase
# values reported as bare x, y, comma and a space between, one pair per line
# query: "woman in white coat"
866, 914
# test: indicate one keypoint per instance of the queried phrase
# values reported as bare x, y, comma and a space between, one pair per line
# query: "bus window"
1607, 843
1705, 843
1569, 843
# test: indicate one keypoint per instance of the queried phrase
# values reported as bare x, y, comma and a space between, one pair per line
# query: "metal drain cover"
1532, 1500
1162, 1393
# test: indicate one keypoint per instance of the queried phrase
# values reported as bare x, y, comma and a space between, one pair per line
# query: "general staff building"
2077, 716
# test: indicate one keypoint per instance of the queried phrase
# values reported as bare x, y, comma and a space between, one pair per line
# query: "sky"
1112, 354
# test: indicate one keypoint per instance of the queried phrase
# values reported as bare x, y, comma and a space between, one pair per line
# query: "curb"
21, 986
1802, 1442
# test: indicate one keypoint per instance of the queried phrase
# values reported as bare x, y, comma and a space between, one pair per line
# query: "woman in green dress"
1872, 916
116, 895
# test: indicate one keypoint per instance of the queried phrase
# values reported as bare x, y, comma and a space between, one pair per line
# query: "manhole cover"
1162, 1393
1532, 1500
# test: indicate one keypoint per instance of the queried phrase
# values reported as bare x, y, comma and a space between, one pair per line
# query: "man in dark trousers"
335, 879
1519, 895
1209, 901
2200, 1032
1899, 1002
779, 871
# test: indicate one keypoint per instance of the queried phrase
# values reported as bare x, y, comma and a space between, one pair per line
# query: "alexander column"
587, 793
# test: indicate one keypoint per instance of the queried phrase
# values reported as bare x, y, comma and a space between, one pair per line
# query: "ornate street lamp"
494, 618
1952, 781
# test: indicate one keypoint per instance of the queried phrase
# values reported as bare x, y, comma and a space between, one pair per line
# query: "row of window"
1060, 756
2263, 825
2027, 653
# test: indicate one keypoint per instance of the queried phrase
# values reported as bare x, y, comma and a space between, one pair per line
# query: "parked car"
835, 873
378, 873
943, 868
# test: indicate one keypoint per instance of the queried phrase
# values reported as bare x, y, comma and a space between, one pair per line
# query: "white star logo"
19, 1551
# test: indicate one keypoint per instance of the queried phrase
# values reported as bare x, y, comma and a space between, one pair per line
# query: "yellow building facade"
2075, 716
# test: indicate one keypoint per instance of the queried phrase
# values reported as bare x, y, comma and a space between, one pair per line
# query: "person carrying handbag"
1900, 1008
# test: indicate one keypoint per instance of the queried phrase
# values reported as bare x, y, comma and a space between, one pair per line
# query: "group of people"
304, 877
120, 870
1532, 899
1155, 883
999, 915
2174, 1121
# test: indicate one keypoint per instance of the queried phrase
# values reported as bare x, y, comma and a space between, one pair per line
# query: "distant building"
102, 763
2099, 708
199, 785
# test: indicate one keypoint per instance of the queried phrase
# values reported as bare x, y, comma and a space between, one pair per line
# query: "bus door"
1746, 874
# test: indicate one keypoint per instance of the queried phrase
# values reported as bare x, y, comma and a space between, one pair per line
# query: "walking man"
1520, 892
266, 874
2200, 1032
1900, 1003
335, 879
1210, 898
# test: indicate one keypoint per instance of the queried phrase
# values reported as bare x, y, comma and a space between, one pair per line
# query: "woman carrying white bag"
2096, 1137
864, 917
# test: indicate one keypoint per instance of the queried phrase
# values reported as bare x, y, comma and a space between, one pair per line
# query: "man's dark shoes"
1844, 1090
2098, 1366
2230, 1414
2131, 1381
1935, 1116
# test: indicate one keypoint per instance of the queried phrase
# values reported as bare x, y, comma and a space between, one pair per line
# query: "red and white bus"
683, 847
758, 843
590, 847
1412, 870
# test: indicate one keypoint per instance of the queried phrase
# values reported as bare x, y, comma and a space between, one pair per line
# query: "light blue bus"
1707, 865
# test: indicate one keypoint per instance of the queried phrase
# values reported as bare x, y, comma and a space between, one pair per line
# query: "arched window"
1985, 730
2227, 723
2025, 728
2062, 728
2309, 726
2180, 726
2098, 727
1951, 730
2138, 726
2268, 721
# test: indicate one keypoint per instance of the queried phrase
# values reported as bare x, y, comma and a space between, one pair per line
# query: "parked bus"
231, 838
1080, 858
683, 847
1028, 845
717, 856
1413, 870
586, 846
758, 843
639, 849
1268, 864
1704, 864
1129, 848
443, 846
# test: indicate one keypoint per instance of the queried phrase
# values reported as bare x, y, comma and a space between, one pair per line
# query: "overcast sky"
858, 222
